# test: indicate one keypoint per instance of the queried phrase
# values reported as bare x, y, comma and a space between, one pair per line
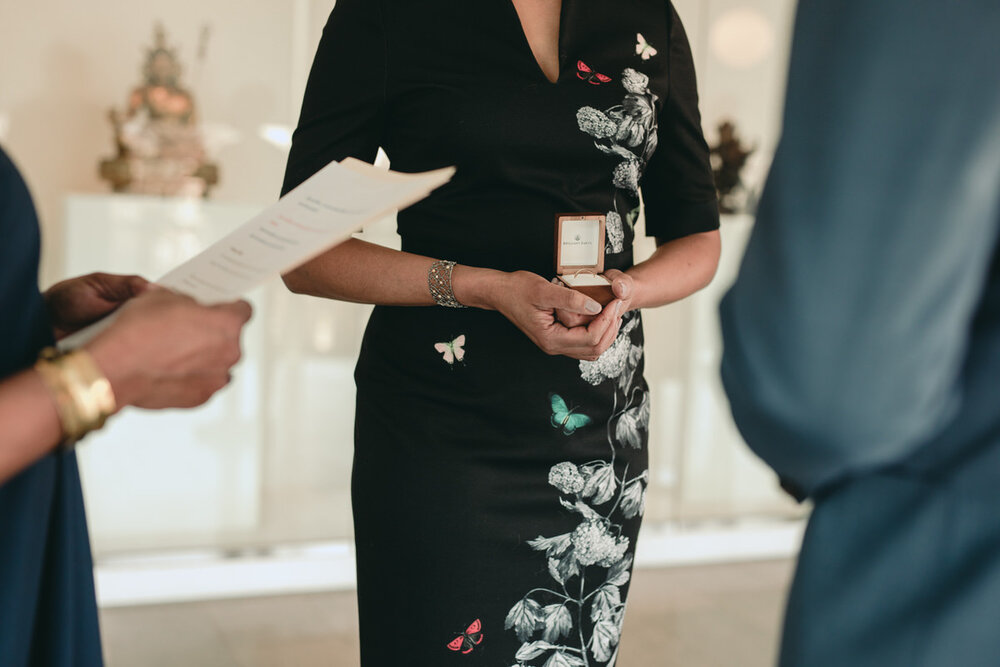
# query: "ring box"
580, 255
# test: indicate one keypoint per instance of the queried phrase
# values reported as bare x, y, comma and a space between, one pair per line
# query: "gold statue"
160, 149
162, 96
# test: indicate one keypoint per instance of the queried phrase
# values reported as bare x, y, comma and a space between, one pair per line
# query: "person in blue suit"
862, 336
164, 350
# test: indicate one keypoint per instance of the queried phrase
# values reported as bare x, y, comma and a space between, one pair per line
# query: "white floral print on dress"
627, 131
596, 123
615, 232
615, 361
590, 564
578, 620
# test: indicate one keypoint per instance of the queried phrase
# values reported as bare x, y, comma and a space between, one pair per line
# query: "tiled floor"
706, 616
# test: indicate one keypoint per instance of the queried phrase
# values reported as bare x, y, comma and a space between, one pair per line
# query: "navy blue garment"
862, 337
48, 613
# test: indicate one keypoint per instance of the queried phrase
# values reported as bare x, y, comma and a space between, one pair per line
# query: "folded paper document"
325, 210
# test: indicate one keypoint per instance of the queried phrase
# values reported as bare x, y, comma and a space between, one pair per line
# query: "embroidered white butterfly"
453, 351
642, 47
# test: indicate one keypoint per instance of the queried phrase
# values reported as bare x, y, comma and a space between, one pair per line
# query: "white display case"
156, 480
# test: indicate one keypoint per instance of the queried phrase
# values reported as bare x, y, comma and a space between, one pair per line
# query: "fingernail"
593, 307
618, 308
624, 289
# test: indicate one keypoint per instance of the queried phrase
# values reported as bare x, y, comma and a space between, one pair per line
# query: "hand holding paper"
323, 211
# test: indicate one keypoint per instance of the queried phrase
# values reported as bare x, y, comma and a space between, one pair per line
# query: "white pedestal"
168, 478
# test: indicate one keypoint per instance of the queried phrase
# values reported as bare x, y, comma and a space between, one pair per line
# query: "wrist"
476, 287
82, 394
117, 365
636, 298
51, 309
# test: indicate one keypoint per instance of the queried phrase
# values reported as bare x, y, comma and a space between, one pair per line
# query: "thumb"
241, 310
621, 283
569, 300
137, 285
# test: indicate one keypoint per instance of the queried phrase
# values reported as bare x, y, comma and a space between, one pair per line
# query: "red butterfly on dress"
585, 72
472, 637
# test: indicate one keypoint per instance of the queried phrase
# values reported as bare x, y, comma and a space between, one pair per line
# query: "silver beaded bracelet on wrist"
439, 283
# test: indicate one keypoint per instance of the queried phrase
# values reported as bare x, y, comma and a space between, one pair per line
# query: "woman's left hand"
77, 302
622, 284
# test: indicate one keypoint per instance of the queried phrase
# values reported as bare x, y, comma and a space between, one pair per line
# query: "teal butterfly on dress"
564, 418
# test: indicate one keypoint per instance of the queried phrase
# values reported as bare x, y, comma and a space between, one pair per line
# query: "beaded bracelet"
439, 283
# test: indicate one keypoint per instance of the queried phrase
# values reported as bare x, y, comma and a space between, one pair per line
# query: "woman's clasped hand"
560, 320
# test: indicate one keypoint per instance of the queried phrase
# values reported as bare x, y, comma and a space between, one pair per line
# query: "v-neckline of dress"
526, 44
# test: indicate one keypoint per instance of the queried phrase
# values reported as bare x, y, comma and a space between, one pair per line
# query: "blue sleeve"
847, 328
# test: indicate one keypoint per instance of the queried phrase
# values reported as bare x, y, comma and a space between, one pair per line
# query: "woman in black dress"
500, 462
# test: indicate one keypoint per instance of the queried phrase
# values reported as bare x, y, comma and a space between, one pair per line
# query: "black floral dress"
498, 491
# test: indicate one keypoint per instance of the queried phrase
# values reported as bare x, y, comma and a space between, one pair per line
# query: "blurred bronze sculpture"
729, 157
160, 148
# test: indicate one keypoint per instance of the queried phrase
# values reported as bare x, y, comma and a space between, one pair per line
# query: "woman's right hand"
530, 302
165, 350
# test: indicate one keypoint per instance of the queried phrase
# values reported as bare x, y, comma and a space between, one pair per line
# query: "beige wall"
64, 63
751, 93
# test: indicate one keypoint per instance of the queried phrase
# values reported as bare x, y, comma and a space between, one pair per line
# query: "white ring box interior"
580, 254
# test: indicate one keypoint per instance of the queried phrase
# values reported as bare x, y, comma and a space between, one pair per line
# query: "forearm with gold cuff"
83, 395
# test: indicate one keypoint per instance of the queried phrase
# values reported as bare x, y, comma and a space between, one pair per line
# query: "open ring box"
580, 255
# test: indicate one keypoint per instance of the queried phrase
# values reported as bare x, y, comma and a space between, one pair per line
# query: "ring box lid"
580, 255
580, 243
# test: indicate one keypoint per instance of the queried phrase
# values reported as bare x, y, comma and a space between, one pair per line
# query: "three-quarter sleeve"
343, 109
677, 188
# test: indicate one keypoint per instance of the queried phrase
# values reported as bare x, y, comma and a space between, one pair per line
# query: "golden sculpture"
160, 148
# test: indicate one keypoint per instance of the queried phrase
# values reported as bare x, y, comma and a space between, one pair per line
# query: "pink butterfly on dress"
587, 73
453, 351
472, 637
